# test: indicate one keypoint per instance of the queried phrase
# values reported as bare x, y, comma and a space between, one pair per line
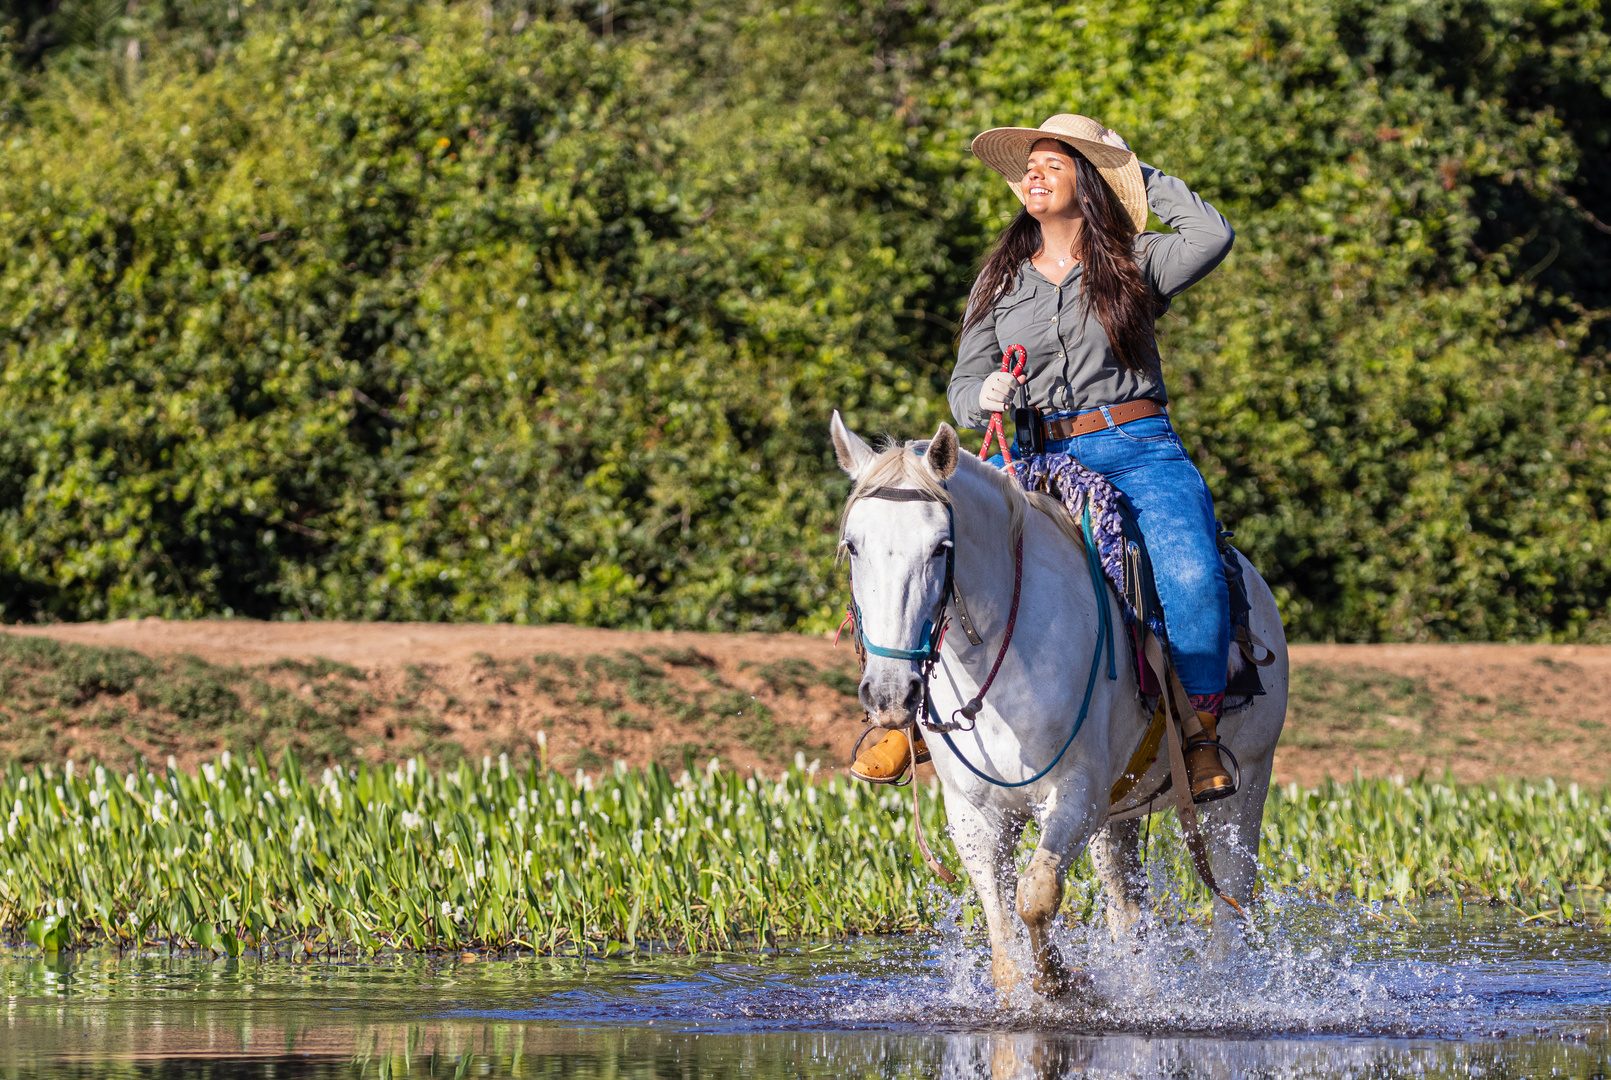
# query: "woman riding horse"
1076, 281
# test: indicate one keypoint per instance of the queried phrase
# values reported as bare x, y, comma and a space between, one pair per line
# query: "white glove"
1113, 138
997, 390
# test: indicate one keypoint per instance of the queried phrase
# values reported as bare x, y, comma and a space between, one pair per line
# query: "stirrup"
902, 778
918, 745
1236, 771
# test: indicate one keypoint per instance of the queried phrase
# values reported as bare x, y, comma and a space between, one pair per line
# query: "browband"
900, 495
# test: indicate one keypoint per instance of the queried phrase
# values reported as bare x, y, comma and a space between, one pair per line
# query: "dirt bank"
382, 691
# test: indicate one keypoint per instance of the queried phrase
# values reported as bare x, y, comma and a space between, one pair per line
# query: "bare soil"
1477, 711
382, 691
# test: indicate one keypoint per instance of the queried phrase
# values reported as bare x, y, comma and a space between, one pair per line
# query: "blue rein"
1104, 634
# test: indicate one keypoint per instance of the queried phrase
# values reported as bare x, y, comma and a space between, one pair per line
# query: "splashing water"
1312, 969
1326, 991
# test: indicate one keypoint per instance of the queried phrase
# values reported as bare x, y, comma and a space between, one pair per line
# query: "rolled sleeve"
1173, 262
977, 356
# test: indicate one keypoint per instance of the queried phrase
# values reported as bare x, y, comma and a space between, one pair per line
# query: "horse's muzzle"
891, 698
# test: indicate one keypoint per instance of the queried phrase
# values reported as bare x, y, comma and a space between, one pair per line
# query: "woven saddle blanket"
1122, 551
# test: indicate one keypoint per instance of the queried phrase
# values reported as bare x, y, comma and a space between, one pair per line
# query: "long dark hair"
1112, 285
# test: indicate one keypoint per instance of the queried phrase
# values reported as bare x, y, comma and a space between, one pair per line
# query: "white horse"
898, 555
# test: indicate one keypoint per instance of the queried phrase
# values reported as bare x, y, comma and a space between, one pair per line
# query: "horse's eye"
850, 548
941, 548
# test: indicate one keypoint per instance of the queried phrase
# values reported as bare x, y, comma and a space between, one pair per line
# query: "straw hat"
1006, 150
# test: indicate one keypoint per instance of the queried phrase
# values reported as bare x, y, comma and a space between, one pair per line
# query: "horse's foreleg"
1040, 887
985, 841
1040, 894
1116, 856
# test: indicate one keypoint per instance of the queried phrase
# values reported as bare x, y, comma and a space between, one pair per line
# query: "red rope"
997, 427
849, 615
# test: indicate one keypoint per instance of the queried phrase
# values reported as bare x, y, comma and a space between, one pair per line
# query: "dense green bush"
371, 309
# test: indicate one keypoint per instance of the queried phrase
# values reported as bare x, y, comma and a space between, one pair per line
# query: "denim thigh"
1145, 460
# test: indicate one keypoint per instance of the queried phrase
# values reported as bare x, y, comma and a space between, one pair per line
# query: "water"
1331, 993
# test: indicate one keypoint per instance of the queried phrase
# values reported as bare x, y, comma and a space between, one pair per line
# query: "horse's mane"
901, 465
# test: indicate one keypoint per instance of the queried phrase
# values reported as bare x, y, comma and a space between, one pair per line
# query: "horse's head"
897, 535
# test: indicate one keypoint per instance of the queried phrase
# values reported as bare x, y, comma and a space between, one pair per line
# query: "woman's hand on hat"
1113, 138
997, 388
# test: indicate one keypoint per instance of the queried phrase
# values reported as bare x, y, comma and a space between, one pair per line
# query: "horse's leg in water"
1116, 857
985, 840
1064, 833
1232, 827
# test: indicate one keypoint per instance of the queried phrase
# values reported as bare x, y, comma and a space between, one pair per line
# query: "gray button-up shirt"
1071, 364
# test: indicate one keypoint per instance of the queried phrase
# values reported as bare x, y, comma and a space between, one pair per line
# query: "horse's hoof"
1063, 984
1052, 976
1004, 972
1008, 978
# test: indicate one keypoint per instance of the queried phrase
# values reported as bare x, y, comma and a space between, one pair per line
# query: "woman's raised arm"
1173, 262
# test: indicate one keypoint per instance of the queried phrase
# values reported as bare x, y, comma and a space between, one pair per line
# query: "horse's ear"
941, 457
853, 454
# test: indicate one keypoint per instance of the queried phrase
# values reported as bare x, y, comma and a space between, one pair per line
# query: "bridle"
927, 653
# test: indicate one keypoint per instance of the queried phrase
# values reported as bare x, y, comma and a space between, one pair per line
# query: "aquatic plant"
409, 857
1534, 846
239, 855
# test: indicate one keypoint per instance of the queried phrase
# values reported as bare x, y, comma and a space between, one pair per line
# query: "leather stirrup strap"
1247, 641
934, 864
1179, 705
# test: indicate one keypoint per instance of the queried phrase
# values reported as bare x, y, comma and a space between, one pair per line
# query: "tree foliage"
386, 310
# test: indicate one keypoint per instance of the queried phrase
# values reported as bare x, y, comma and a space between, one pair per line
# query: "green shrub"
382, 310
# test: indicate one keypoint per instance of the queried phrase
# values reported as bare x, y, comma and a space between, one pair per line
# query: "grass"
1361, 706
61, 700
1480, 717
239, 856
127, 702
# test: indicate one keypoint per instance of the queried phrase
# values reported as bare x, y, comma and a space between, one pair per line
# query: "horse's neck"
984, 557
1056, 590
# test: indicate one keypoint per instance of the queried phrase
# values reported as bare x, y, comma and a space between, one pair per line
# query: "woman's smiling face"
1048, 186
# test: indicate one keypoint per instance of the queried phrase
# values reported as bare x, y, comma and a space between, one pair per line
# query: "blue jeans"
1145, 460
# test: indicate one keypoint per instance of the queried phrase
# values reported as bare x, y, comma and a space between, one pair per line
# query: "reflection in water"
1327, 995
1001, 1056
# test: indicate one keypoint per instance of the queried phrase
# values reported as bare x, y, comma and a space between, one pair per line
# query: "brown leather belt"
1087, 422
